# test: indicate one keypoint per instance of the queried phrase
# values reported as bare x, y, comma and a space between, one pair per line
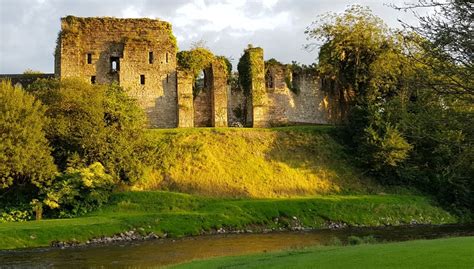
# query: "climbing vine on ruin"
251, 69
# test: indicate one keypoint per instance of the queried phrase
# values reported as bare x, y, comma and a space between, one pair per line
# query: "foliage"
404, 129
178, 214
78, 191
251, 70
195, 60
14, 215
93, 123
31, 72
352, 42
201, 59
25, 160
447, 45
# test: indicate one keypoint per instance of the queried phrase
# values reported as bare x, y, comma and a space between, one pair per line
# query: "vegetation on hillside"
94, 135
409, 121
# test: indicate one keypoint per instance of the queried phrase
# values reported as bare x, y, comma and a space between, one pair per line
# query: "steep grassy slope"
277, 162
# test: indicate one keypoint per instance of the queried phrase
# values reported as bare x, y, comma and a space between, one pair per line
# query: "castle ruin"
141, 56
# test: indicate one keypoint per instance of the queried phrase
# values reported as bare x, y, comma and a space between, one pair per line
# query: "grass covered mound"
439, 253
259, 163
181, 214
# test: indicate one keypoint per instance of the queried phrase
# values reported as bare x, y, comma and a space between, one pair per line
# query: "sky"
28, 28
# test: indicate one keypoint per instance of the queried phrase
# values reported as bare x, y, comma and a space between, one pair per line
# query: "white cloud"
215, 17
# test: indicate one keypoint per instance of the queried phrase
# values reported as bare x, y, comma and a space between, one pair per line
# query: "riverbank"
438, 253
176, 215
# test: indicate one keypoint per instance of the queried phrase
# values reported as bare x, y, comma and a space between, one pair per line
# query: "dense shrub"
25, 161
78, 191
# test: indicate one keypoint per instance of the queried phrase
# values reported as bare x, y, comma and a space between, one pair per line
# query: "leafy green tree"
446, 33
26, 164
351, 43
93, 123
361, 65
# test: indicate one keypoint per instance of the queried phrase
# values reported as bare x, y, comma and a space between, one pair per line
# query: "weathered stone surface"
144, 53
185, 99
219, 94
140, 55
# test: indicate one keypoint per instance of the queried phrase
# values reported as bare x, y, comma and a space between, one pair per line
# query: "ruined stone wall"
236, 109
87, 47
203, 103
305, 104
219, 94
185, 99
279, 95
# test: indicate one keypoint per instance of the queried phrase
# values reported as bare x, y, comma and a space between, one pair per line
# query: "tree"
26, 164
351, 43
447, 45
93, 123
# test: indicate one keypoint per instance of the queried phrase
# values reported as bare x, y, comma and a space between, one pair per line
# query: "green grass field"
440, 253
182, 214
252, 162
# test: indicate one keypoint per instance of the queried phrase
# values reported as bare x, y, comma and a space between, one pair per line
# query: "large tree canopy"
447, 44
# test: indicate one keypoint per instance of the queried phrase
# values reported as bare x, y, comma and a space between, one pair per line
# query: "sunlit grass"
178, 214
258, 163
439, 253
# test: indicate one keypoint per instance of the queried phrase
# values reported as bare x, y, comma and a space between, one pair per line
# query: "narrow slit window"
114, 64
89, 58
167, 57
93, 80
167, 78
150, 57
142, 79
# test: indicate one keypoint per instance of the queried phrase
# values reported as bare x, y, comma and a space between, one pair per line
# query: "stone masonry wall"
203, 102
309, 105
219, 94
87, 47
185, 99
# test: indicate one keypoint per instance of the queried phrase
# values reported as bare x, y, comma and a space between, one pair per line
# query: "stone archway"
202, 100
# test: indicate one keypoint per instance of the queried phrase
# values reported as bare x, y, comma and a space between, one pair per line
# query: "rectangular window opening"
89, 58
93, 79
142, 79
150, 57
167, 57
167, 78
114, 64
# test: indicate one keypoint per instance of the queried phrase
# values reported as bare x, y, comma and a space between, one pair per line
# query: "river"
156, 253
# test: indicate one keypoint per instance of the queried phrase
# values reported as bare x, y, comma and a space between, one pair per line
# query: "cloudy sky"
28, 28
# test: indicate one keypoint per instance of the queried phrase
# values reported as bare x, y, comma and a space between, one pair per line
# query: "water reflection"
164, 252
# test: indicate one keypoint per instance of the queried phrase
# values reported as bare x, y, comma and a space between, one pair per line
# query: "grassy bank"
258, 163
183, 214
439, 253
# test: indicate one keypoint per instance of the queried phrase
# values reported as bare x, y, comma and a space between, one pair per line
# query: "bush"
78, 191
25, 161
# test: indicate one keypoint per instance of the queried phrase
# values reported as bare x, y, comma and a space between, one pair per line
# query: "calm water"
164, 252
